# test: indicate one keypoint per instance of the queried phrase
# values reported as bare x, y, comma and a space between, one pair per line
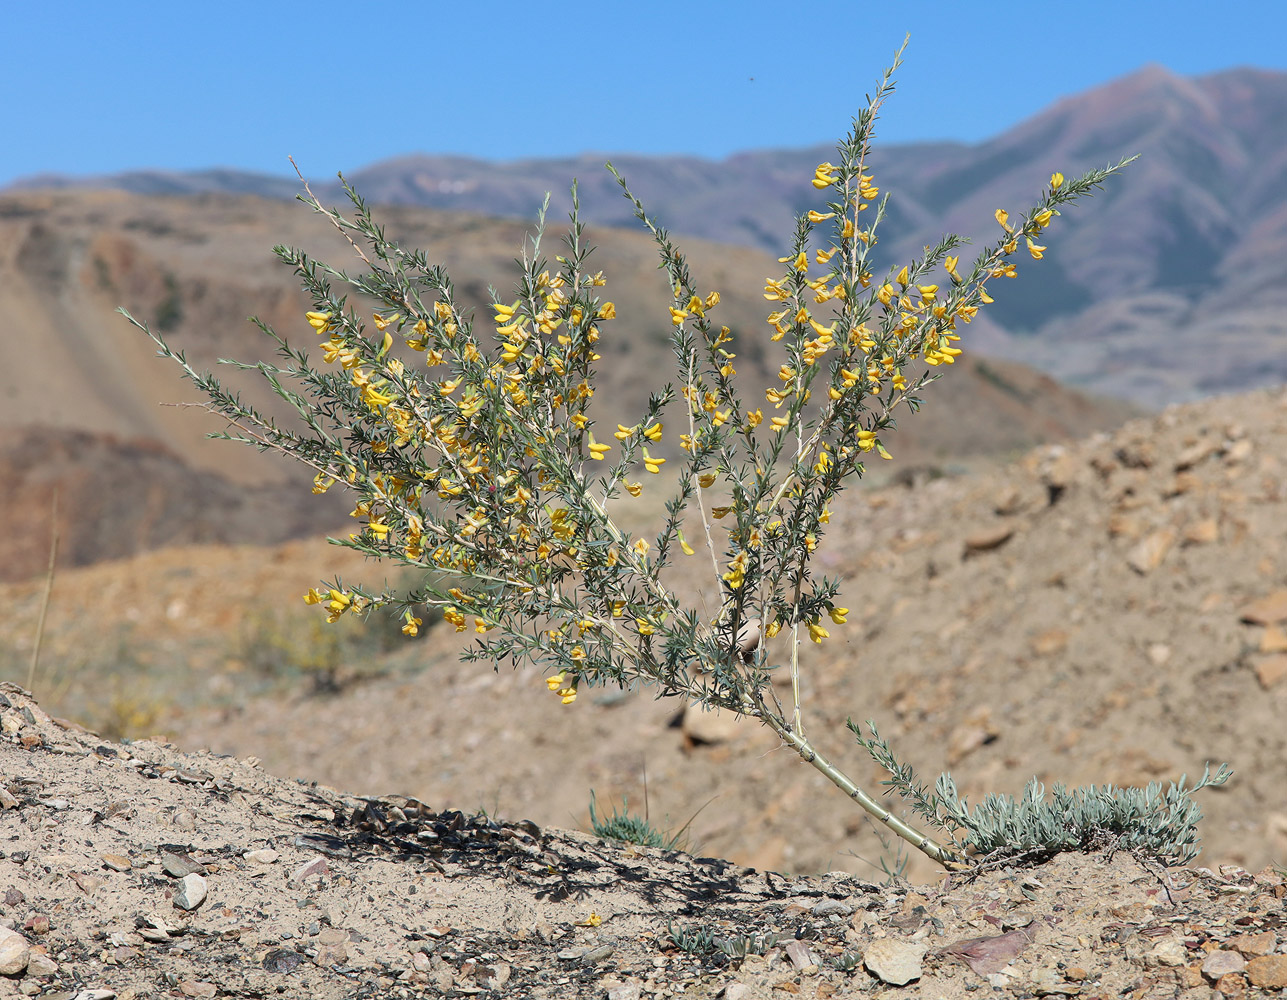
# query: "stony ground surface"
137, 870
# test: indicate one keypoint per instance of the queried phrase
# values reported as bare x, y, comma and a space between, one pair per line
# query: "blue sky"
91, 87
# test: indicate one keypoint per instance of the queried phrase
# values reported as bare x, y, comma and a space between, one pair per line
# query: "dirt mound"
128, 868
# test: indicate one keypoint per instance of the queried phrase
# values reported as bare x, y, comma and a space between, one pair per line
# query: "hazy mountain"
1169, 286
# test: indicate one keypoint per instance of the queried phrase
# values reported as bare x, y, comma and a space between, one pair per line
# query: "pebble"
1171, 952
832, 907
1221, 963
1269, 972
179, 865
39, 964
15, 951
894, 962
191, 892
1149, 553
1269, 610
264, 856
117, 862
709, 726
313, 868
193, 988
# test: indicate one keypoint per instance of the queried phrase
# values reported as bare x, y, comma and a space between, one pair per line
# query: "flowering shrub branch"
472, 454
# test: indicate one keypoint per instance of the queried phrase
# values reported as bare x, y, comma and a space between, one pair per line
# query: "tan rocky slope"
1112, 611
197, 267
131, 871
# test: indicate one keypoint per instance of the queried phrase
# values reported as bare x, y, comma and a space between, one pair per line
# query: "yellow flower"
634, 489
817, 633
607, 311
312, 597
1003, 219
677, 316
950, 265
555, 681
653, 432
641, 546
381, 322
688, 549
838, 615
903, 277
653, 465
319, 321
773, 629
597, 451
816, 217
824, 176
706, 480
412, 626
1037, 251
754, 417
1056, 181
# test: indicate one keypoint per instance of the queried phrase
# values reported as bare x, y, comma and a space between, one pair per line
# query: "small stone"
313, 868
1269, 972
709, 726
1271, 669
15, 951
800, 955
832, 907
987, 539
1269, 610
264, 856
1273, 640
1149, 553
894, 962
193, 988
39, 964
179, 865
185, 819
596, 955
1202, 532
494, 976
87, 883
1170, 952
633, 991
7, 801
1231, 986
1221, 963
191, 892
1159, 654
1196, 452
1254, 944
333, 954
117, 862
1076, 974
738, 991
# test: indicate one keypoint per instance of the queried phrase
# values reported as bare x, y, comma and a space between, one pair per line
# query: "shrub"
474, 457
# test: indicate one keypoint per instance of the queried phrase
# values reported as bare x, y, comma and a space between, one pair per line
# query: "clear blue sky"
90, 87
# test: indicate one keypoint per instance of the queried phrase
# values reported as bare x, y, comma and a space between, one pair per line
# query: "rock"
494, 976
633, 991
39, 964
1196, 452
1238, 452
1268, 972
987, 539
1159, 654
117, 862
193, 988
832, 907
1202, 532
1254, 944
15, 951
738, 991
313, 868
1221, 963
1148, 554
1170, 952
1271, 669
264, 856
1231, 986
705, 726
191, 892
1273, 640
894, 962
1269, 610
800, 955
179, 865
